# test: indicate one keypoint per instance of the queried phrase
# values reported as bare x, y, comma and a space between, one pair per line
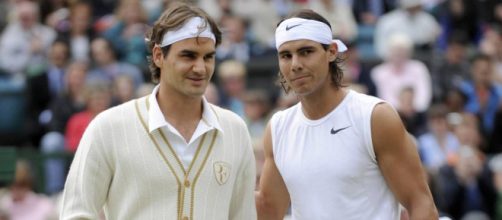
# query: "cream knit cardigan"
135, 174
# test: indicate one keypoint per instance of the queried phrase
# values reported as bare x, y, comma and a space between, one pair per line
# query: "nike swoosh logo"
292, 26
338, 130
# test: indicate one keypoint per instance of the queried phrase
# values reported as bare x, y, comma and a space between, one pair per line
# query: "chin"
194, 94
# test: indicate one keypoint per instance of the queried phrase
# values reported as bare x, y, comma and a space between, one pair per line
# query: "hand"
36, 45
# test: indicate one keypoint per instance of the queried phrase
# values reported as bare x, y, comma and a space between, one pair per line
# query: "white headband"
305, 29
195, 27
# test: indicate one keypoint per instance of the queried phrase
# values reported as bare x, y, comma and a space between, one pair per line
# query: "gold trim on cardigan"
186, 184
200, 170
162, 155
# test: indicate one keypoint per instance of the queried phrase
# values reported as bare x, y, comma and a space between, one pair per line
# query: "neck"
181, 111
318, 104
179, 108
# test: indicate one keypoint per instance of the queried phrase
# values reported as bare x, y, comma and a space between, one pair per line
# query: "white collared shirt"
185, 151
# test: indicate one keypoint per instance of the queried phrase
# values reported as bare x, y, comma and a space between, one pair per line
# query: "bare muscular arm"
398, 159
272, 199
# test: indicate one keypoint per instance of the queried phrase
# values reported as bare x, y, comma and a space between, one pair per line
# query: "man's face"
59, 54
187, 68
101, 52
305, 65
481, 70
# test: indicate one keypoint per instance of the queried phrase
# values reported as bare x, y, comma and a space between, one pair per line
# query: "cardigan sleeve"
89, 178
242, 204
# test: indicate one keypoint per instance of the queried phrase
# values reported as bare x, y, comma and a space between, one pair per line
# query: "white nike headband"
305, 29
195, 27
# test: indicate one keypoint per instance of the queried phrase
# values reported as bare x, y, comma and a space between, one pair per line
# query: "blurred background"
438, 62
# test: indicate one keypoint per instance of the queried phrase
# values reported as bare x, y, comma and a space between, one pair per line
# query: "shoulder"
227, 117
281, 116
361, 103
383, 112
385, 122
116, 114
417, 64
379, 69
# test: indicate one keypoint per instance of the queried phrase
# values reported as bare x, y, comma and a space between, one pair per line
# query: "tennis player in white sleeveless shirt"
324, 156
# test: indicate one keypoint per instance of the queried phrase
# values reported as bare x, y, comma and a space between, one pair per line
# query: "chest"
326, 152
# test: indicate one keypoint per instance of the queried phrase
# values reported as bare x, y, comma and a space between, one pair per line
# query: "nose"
295, 64
199, 66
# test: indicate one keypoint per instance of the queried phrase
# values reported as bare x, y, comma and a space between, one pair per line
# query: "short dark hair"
481, 57
175, 16
334, 66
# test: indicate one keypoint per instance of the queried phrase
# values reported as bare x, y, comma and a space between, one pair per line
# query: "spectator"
262, 16
400, 71
451, 68
69, 102
483, 95
97, 99
491, 45
107, 67
232, 81
236, 44
80, 33
22, 203
412, 21
356, 73
256, 113
123, 89
127, 33
25, 41
438, 146
467, 130
413, 120
455, 100
339, 15
467, 186
46, 87
458, 17
367, 12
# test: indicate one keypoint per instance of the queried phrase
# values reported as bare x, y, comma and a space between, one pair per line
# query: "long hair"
335, 69
174, 17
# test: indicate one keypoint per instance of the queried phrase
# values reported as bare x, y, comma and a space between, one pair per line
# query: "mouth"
299, 78
196, 80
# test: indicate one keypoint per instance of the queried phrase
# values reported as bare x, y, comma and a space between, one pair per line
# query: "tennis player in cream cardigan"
169, 155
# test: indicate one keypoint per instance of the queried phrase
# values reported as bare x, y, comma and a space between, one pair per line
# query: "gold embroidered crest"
221, 171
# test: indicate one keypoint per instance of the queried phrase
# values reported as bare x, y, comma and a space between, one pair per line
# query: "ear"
333, 52
157, 56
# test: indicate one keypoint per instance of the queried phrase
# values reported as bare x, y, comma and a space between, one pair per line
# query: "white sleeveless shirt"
329, 165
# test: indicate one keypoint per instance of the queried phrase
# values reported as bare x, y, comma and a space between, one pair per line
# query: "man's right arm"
89, 178
272, 199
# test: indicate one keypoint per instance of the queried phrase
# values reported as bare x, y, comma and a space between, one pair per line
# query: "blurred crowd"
438, 62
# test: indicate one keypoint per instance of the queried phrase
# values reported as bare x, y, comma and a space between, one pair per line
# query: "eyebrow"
306, 48
191, 52
299, 49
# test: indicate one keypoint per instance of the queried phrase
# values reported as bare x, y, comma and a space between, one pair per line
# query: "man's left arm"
242, 204
398, 159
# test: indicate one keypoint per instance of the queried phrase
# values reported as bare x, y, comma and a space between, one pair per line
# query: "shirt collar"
156, 118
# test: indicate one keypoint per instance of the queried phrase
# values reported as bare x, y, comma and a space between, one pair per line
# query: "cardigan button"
185, 218
187, 184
